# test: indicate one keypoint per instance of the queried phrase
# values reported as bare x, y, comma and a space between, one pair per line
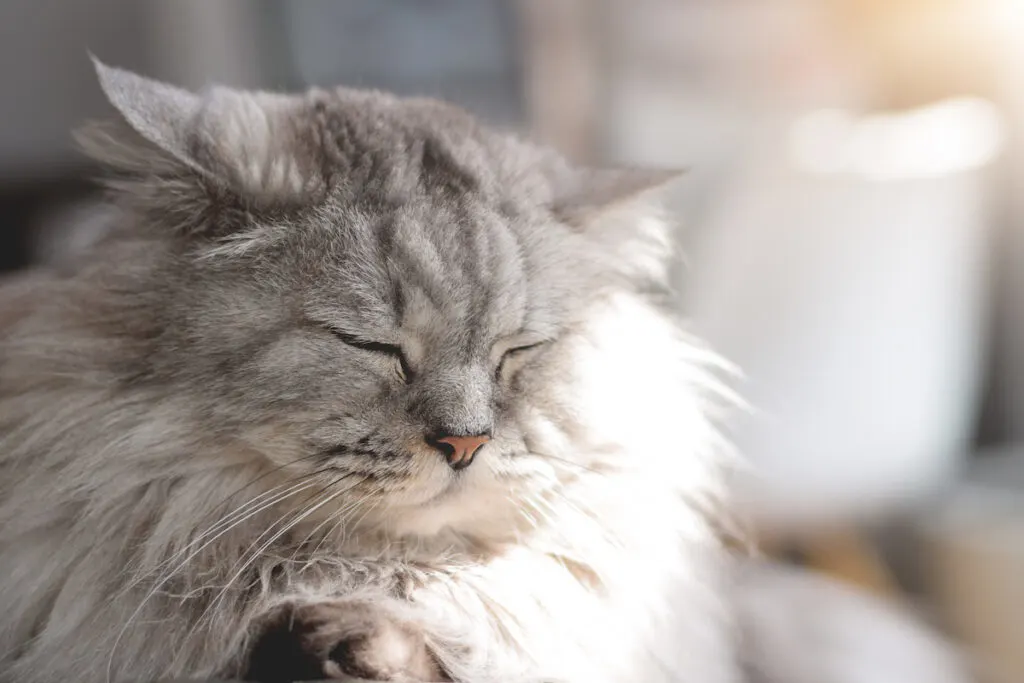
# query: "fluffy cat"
348, 384
354, 385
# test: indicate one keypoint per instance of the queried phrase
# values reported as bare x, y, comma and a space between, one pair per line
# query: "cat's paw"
338, 640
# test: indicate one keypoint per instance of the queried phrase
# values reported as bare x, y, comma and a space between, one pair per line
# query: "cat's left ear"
585, 194
622, 209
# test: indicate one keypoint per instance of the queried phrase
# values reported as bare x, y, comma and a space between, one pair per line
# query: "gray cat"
353, 386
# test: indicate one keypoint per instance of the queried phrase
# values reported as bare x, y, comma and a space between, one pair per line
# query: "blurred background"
852, 226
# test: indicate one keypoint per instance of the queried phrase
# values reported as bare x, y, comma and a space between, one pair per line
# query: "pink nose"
459, 450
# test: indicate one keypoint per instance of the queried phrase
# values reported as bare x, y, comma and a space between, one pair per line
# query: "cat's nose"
458, 450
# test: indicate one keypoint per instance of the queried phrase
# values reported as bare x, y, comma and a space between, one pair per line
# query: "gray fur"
186, 445
190, 443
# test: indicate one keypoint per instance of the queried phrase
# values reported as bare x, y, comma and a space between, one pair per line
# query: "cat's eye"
391, 350
511, 358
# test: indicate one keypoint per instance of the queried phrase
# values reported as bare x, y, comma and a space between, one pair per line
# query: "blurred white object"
855, 307
976, 543
803, 628
841, 260
955, 135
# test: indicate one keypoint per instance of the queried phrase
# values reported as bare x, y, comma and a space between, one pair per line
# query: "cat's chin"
460, 507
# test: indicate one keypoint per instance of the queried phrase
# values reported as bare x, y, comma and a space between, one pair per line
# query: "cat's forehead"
433, 268
421, 234
429, 234
390, 146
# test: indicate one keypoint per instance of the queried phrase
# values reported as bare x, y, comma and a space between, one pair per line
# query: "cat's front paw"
341, 639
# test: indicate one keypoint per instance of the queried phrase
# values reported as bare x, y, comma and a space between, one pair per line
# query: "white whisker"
251, 556
169, 575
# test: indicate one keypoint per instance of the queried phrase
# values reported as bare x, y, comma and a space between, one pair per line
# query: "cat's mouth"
410, 475
454, 485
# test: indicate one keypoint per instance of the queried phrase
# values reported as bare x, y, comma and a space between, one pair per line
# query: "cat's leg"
337, 639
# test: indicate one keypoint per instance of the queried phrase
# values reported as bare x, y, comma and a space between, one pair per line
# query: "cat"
355, 385
344, 384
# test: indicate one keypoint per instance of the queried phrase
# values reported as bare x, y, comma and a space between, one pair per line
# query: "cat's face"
398, 351
374, 293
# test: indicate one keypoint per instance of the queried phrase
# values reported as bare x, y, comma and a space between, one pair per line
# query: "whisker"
311, 456
304, 478
341, 519
246, 559
238, 516
238, 511
363, 516
285, 525
277, 498
330, 519
335, 519
295, 520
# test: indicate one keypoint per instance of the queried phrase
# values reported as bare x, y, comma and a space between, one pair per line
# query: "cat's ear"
162, 114
585, 194
230, 145
622, 210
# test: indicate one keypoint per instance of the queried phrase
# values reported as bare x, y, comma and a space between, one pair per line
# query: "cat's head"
377, 290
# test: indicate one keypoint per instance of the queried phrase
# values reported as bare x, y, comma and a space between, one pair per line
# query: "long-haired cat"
355, 386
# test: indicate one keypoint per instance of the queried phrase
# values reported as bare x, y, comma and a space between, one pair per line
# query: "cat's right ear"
152, 135
158, 112
203, 160
149, 157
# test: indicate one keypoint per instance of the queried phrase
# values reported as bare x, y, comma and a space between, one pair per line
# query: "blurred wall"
46, 79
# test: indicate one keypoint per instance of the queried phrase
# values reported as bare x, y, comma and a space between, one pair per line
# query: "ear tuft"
251, 141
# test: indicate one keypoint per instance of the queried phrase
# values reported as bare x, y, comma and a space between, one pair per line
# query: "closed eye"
514, 353
392, 350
